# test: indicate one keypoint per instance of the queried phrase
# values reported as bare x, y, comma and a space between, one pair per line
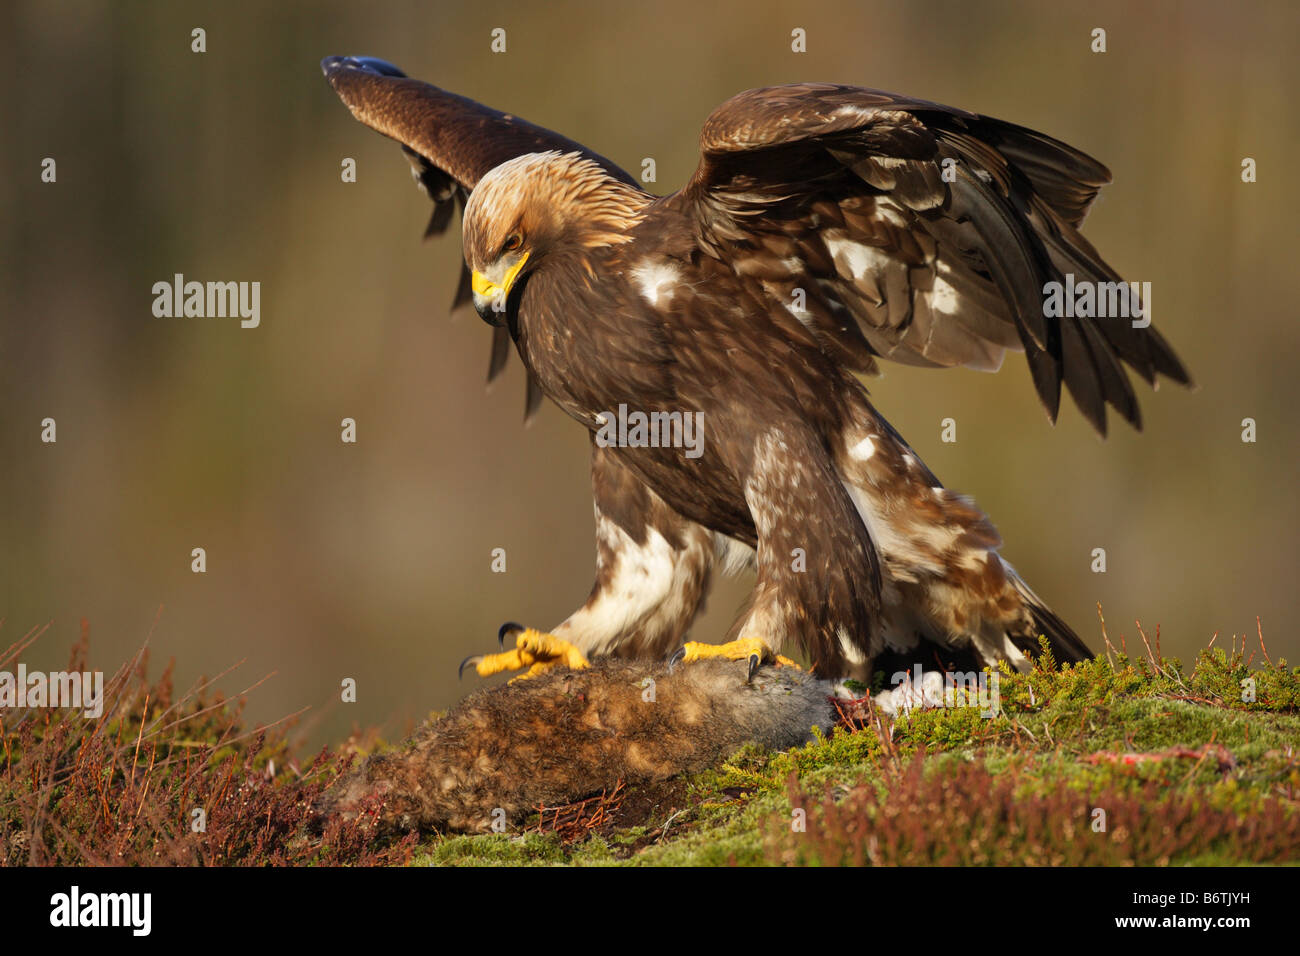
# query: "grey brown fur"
565, 735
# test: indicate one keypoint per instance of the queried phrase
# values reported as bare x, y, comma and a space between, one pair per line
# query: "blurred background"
372, 561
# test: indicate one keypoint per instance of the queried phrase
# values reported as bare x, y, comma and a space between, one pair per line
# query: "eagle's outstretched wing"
450, 141
919, 233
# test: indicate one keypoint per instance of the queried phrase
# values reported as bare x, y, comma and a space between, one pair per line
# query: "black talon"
679, 655
508, 627
754, 661
460, 673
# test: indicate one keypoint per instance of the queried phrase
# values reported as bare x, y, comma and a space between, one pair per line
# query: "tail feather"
945, 588
1066, 646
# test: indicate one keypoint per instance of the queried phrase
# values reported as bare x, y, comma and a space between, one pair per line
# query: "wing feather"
450, 142
934, 228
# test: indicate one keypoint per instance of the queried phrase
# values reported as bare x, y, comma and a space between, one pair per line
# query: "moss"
496, 849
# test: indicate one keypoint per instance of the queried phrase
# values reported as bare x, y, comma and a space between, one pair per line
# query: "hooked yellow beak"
485, 287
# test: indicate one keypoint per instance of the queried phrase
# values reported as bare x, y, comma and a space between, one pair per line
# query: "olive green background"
372, 561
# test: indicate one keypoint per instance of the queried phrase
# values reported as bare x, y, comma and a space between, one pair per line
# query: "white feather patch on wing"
857, 260
657, 280
943, 297
863, 449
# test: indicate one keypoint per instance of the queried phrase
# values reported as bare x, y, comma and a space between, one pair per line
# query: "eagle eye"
513, 242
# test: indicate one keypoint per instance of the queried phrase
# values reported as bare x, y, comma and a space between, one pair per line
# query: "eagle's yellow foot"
753, 649
535, 650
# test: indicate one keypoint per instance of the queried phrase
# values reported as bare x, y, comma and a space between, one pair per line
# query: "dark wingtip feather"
332, 65
1046, 374
1115, 385
1081, 375
464, 289
500, 352
1135, 419
1166, 362
532, 400
439, 219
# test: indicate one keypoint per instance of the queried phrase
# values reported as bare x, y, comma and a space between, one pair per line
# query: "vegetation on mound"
1120, 760
161, 779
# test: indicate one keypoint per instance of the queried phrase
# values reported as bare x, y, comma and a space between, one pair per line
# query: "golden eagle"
826, 227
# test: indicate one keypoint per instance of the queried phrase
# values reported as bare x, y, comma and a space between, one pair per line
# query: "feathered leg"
818, 578
653, 570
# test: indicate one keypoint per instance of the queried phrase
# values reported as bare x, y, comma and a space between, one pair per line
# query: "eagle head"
532, 208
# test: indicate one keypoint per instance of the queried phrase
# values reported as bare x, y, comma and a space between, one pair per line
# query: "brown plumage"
559, 737
826, 227
450, 142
